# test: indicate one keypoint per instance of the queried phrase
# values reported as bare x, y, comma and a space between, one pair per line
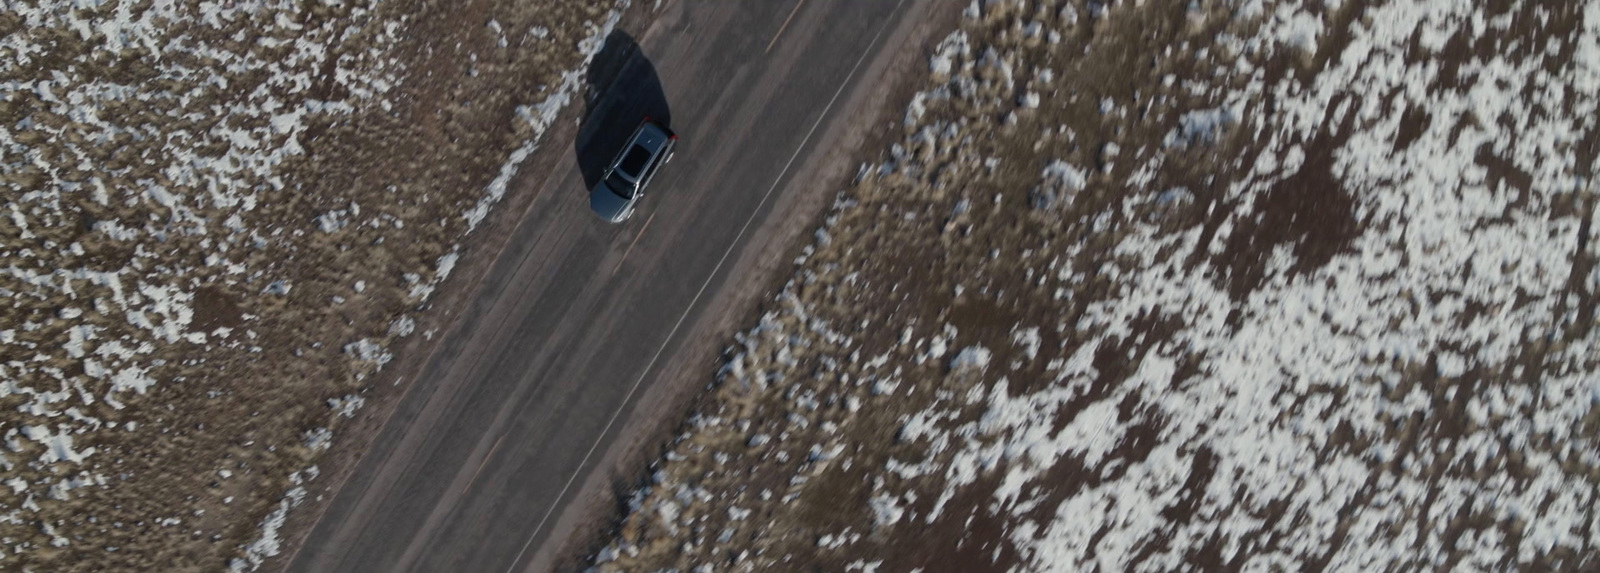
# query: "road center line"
634, 242
696, 300
785, 25
486, 458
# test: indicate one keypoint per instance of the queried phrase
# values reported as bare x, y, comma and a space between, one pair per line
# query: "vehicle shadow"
621, 89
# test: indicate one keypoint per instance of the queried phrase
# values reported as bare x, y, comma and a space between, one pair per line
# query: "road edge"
441, 315
867, 120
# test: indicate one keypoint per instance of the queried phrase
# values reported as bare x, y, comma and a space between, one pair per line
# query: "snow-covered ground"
217, 217
1182, 285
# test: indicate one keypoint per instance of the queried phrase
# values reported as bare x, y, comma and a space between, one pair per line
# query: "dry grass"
809, 455
182, 474
937, 234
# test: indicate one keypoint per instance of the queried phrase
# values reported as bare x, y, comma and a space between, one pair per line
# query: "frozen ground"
217, 217
1181, 285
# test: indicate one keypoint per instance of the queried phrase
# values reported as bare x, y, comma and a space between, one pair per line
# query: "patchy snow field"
217, 217
1182, 285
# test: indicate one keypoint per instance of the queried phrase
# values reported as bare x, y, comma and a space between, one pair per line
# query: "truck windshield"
620, 185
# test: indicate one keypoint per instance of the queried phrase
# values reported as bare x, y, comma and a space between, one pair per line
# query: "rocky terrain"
1166, 285
217, 218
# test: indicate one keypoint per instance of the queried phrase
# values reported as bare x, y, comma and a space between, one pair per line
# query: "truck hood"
607, 203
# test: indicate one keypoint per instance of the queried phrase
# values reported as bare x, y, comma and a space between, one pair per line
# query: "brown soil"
952, 231
244, 405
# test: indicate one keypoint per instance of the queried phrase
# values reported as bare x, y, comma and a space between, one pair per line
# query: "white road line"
702, 291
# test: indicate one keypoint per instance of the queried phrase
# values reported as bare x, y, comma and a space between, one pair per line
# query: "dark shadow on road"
621, 89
